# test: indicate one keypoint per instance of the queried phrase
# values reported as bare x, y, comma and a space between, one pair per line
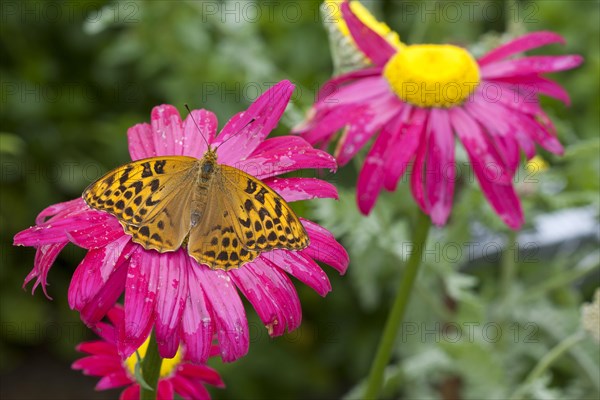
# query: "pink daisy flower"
414, 99
185, 301
177, 375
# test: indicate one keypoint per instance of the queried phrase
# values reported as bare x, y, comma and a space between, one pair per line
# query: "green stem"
151, 369
546, 361
392, 326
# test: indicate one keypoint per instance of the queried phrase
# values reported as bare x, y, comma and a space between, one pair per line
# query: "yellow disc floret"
168, 364
333, 9
431, 75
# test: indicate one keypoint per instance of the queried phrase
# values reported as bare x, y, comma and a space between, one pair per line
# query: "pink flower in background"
177, 375
184, 301
414, 99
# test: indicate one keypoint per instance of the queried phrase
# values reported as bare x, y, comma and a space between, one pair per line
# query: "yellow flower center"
168, 364
333, 11
536, 164
430, 75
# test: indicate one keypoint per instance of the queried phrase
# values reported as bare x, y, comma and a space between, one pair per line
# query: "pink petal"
543, 133
244, 132
201, 372
284, 154
44, 258
197, 325
141, 290
172, 296
478, 147
521, 44
322, 127
360, 91
271, 294
502, 197
95, 269
167, 130
98, 365
323, 247
533, 85
95, 309
497, 121
61, 210
113, 380
371, 176
295, 189
529, 65
165, 390
100, 232
300, 266
440, 168
404, 146
376, 48
227, 311
57, 230
417, 178
362, 129
333, 85
193, 143
97, 347
189, 389
131, 393
141, 142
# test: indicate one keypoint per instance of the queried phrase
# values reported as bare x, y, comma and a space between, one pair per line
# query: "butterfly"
224, 216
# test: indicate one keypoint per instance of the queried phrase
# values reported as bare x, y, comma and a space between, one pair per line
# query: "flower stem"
151, 369
392, 326
547, 361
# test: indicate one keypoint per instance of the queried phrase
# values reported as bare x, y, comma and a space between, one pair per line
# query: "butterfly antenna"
197, 126
233, 135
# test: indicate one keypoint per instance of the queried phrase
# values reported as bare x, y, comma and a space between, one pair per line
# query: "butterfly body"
224, 216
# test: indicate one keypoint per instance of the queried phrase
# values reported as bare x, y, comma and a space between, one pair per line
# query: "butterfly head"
208, 163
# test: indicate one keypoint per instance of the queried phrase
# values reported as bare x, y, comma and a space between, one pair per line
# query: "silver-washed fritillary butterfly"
224, 216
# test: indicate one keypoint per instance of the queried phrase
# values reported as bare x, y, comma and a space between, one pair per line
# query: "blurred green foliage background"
75, 75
